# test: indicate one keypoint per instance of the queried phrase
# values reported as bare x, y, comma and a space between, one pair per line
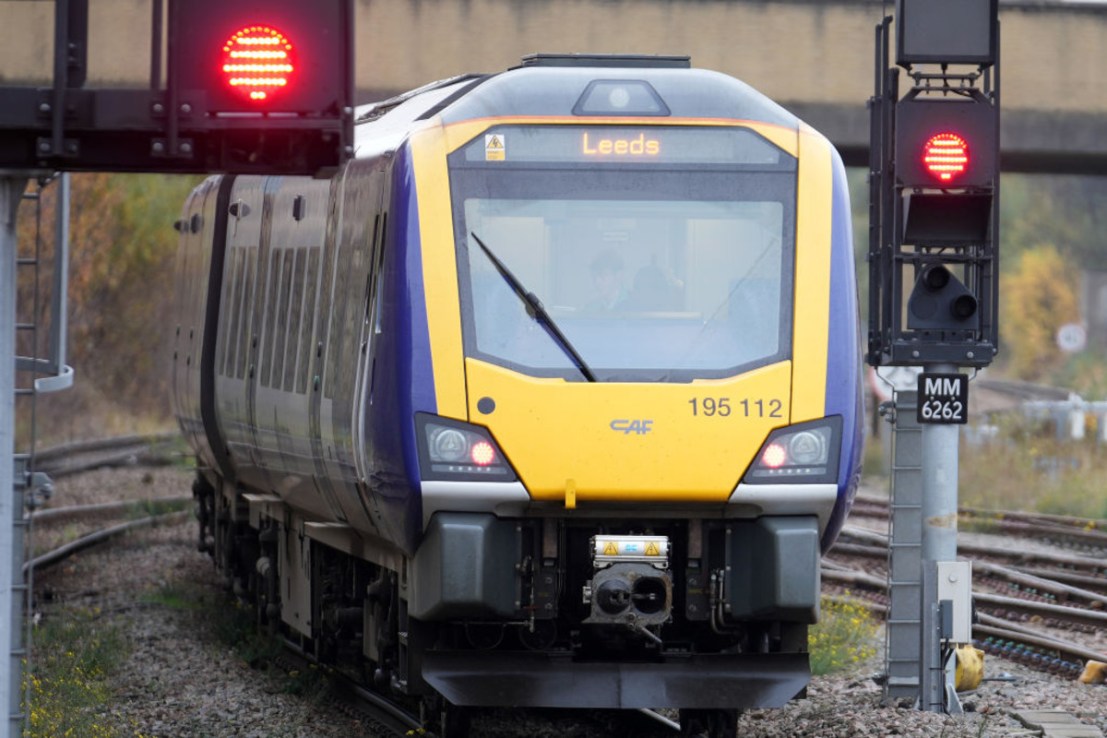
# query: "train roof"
576, 85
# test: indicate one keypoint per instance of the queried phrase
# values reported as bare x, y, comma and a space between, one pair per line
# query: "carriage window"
281, 320
308, 320
246, 340
295, 309
276, 259
230, 313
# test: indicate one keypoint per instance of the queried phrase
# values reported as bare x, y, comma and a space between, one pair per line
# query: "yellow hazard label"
652, 549
494, 149
610, 549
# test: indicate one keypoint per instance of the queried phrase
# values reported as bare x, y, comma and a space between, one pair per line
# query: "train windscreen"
657, 254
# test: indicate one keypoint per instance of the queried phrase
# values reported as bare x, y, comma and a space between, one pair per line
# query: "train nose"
630, 594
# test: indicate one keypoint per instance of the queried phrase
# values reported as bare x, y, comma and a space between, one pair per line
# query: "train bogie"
550, 398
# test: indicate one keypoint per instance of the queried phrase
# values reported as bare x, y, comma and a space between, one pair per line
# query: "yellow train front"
593, 412
641, 419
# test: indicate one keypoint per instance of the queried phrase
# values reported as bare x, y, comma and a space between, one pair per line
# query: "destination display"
618, 144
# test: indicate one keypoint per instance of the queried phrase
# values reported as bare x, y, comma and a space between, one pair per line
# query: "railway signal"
934, 188
945, 142
934, 272
269, 63
248, 86
940, 301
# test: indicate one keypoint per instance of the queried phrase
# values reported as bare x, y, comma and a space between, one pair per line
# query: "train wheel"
708, 723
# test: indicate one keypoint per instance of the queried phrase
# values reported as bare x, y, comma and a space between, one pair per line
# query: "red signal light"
946, 156
258, 62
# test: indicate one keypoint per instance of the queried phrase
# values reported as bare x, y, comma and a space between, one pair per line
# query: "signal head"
945, 143
940, 301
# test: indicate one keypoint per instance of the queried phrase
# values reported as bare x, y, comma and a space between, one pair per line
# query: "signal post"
933, 268
250, 86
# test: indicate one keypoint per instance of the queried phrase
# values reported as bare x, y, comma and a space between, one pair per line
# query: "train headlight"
800, 453
808, 447
447, 444
450, 449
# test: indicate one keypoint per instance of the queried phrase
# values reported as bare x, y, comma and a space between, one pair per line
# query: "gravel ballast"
180, 679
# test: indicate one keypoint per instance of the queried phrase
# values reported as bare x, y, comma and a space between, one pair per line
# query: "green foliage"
151, 508
122, 250
174, 597
234, 624
1057, 477
70, 685
844, 638
1065, 211
1084, 373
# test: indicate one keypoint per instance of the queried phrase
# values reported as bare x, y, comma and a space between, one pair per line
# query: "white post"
11, 607
940, 457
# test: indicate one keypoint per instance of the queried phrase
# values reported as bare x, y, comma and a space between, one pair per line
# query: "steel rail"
100, 536
1063, 591
1083, 616
879, 506
997, 628
875, 538
986, 625
54, 514
103, 444
399, 722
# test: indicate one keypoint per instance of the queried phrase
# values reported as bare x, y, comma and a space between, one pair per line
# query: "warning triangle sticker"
610, 549
652, 549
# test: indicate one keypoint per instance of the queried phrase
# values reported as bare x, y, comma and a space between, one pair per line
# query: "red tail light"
774, 456
482, 453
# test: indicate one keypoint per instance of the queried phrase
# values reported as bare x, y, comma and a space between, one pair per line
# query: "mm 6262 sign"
943, 398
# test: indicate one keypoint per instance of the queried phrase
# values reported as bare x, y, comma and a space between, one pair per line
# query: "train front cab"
628, 510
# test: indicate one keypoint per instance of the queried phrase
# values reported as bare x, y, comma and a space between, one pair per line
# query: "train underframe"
542, 612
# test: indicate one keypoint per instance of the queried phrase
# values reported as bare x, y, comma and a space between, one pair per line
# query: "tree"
122, 249
1036, 298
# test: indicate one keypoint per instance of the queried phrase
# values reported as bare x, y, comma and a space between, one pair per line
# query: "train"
550, 397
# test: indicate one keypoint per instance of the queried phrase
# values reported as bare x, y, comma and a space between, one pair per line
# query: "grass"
1037, 474
1023, 467
175, 597
232, 623
155, 507
845, 637
70, 682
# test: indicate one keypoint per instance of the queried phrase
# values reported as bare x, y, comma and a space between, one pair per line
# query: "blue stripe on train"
843, 371
403, 363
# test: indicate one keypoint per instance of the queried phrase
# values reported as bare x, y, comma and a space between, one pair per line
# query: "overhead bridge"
815, 57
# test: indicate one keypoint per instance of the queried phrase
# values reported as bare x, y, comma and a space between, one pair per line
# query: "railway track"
93, 524
384, 718
1022, 597
75, 528
1039, 604
75, 458
1088, 535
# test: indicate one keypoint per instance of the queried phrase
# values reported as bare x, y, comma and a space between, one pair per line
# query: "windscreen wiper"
536, 310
